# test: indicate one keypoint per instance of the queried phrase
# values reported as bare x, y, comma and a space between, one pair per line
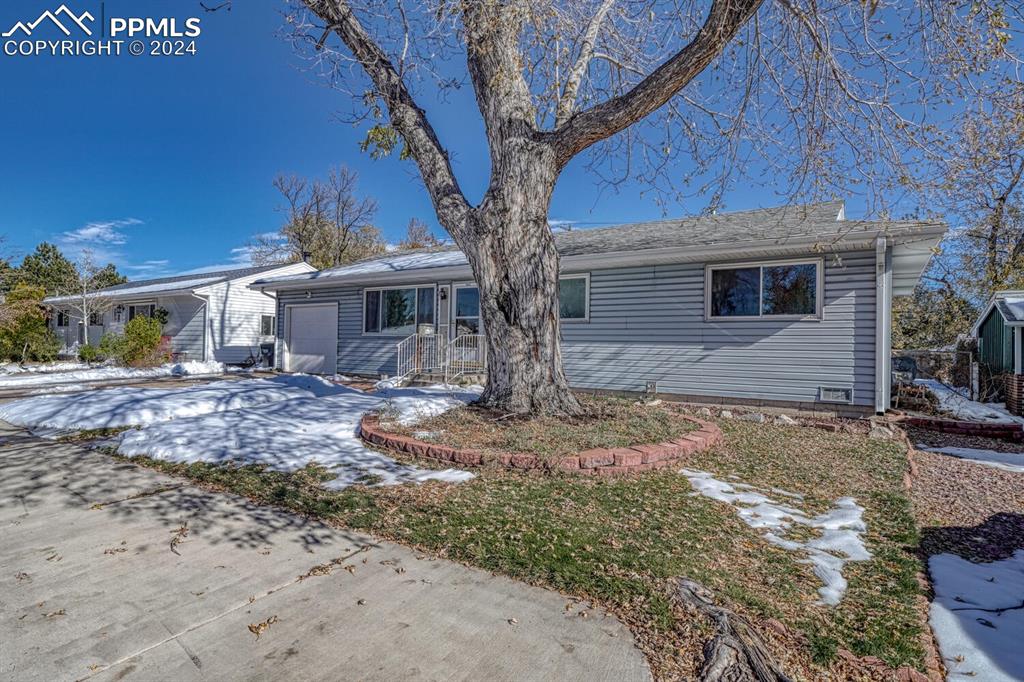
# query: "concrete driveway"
111, 571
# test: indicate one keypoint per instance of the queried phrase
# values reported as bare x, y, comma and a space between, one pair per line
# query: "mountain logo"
79, 21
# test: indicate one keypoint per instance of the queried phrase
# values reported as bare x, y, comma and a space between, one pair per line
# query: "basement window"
780, 290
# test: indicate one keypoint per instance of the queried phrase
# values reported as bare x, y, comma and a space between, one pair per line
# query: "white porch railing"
466, 355
420, 353
435, 352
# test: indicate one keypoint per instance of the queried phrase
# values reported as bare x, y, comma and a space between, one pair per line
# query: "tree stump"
736, 653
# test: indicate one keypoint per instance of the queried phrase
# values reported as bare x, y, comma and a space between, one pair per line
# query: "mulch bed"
939, 439
967, 508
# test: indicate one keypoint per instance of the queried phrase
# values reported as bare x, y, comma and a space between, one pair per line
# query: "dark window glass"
425, 306
467, 325
372, 321
734, 292
62, 318
398, 311
572, 298
789, 289
95, 319
467, 302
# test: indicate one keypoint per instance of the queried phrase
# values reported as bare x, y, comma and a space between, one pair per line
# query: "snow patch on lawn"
974, 637
44, 378
1008, 461
288, 435
962, 407
128, 406
408, 406
14, 368
841, 528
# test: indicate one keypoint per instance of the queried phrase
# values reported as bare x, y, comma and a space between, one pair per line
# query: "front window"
267, 326
769, 290
140, 311
62, 318
95, 319
397, 311
573, 297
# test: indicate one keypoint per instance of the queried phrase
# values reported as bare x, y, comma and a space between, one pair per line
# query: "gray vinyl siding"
648, 323
357, 353
185, 323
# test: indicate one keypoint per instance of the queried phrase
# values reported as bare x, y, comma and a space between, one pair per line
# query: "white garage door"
312, 340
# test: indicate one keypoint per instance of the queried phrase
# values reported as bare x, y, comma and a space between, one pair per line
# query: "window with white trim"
397, 311
145, 310
784, 289
267, 326
574, 297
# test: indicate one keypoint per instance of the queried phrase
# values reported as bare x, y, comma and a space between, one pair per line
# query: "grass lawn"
610, 422
619, 542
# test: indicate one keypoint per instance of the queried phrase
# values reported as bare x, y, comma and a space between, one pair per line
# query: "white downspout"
883, 324
206, 324
1018, 350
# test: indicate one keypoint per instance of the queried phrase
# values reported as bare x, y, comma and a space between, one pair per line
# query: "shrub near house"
23, 331
141, 344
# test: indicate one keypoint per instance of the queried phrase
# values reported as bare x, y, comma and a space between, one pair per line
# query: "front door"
466, 311
467, 350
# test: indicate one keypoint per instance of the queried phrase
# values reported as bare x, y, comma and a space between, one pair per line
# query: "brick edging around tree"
598, 462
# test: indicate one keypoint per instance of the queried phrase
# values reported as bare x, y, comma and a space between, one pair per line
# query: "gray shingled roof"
164, 285
219, 275
778, 226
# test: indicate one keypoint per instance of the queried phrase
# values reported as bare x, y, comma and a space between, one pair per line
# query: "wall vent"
831, 394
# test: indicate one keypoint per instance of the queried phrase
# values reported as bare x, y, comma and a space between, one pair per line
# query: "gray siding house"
210, 316
787, 306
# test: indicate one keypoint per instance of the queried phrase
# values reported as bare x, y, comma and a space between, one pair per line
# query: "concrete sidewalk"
111, 571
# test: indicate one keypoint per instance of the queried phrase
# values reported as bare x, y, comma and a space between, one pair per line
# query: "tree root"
736, 653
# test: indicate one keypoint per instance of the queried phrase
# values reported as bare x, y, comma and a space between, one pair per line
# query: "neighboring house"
1000, 334
210, 316
784, 306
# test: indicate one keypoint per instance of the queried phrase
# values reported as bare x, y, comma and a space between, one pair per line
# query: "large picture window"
574, 297
397, 311
765, 290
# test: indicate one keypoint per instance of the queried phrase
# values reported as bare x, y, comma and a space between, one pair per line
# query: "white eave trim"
883, 323
766, 248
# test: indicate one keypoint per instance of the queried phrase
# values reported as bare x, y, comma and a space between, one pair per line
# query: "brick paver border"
596, 462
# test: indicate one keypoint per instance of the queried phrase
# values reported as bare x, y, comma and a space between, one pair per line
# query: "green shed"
1000, 333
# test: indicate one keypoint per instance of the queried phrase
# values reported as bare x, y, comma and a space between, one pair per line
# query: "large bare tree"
821, 98
327, 223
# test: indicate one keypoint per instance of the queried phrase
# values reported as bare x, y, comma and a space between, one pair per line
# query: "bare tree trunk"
516, 267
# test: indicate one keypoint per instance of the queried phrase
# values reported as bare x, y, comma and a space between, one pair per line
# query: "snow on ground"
841, 528
1008, 461
130, 406
44, 368
963, 407
45, 378
288, 435
978, 639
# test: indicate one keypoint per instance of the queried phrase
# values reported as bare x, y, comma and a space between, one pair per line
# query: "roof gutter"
853, 240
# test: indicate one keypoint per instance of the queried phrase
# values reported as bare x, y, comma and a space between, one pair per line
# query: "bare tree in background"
820, 99
418, 236
81, 289
327, 223
984, 192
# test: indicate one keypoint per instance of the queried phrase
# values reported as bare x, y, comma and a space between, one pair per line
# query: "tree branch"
614, 115
406, 116
493, 30
567, 103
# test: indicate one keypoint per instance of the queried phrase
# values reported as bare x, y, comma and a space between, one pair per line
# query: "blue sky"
165, 164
